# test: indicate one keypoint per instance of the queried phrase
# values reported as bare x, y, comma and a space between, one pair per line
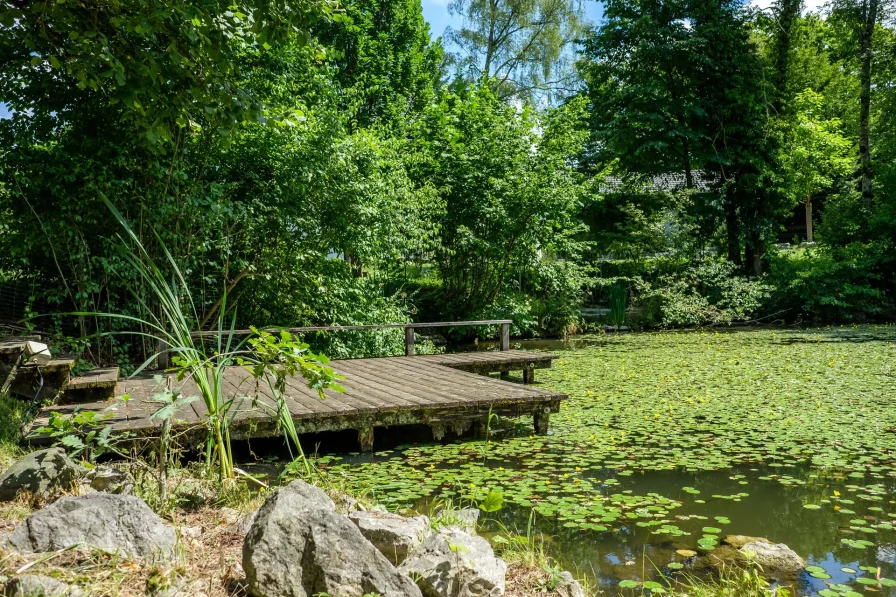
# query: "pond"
673, 440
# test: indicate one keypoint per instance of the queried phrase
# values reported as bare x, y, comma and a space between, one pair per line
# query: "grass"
731, 582
12, 413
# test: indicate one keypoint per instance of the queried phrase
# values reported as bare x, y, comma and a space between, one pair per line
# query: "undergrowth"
12, 414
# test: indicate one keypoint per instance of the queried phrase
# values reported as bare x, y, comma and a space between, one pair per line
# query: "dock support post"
505, 336
541, 419
365, 438
505, 375
163, 361
409, 341
528, 376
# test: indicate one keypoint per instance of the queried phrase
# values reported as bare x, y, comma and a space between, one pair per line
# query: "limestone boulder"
115, 523
299, 546
395, 536
35, 585
454, 563
43, 473
773, 556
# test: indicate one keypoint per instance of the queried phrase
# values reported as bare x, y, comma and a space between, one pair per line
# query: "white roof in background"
660, 183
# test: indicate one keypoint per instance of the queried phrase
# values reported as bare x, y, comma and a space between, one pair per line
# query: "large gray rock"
773, 556
111, 522
299, 546
35, 585
453, 563
395, 536
43, 473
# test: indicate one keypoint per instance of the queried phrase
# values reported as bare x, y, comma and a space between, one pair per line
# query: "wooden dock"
448, 392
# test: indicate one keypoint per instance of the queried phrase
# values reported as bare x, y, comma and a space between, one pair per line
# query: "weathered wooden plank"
472, 388
357, 384
104, 377
410, 381
379, 392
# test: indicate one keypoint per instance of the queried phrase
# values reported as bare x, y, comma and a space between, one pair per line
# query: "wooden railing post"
505, 336
409, 341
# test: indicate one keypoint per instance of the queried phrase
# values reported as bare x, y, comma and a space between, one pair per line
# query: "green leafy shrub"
708, 292
830, 284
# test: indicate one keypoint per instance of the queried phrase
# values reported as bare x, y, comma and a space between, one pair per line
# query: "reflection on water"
770, 509
851, 376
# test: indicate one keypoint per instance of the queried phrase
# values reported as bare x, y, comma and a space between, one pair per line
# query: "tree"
163, 65
385, 62
815, 153
787, 13
509, 191
680, 85
520, 46
639, 70
861, 18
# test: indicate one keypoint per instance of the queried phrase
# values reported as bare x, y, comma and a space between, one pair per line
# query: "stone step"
45, 381
92, 386
11, 350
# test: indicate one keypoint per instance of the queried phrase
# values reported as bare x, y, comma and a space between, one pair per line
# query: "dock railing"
409, 330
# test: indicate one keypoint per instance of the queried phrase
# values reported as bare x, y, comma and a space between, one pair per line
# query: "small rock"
469, 518
195, 493
35, 585
43, 473
395, 536
114, 523
720, 557
230, 515
569, 586
773, 556
245, 523
346, 503
738, 541
190, 532
454, 563
107, 479
299, 546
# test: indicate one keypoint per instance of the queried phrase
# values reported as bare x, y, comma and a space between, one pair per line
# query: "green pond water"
673, 440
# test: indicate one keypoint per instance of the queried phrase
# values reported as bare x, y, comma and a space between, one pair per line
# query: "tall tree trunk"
754, 251
732, 228
869, 15
688, 174
809, 235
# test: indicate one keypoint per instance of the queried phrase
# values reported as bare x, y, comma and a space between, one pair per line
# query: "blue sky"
436, 13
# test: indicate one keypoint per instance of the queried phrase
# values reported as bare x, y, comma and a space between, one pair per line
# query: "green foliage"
508, 190
12, 417
493, 501
83, 433
521, 47
384, 60
706, 292
159, 66
831, 284
618, 297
